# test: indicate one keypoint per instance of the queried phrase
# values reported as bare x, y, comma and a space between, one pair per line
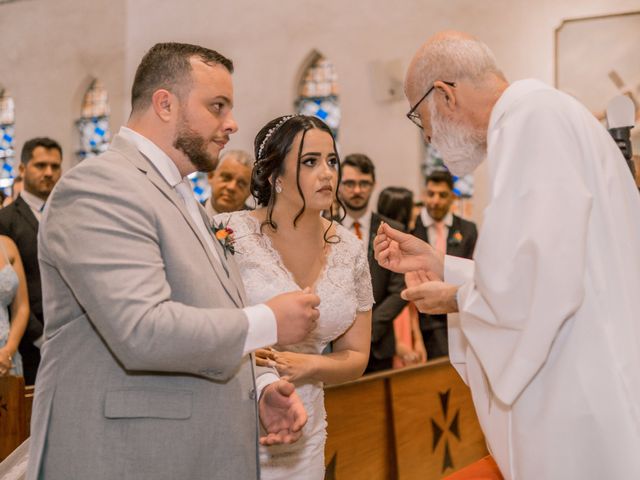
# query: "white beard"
462, 148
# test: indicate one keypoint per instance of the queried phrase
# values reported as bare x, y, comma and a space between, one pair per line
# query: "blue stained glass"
322, 114
7, 167
99, 131
319, 93
7, 138
197, 190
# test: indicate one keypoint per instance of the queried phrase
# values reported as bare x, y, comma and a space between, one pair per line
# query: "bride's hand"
291, 366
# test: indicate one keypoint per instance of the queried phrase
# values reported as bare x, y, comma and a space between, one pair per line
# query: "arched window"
7, 140
93, 124
318, 92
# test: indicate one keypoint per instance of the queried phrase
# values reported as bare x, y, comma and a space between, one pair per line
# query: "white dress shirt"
262, 330
36, 204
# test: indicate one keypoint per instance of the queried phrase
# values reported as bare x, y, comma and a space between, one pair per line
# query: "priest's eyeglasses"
413, 116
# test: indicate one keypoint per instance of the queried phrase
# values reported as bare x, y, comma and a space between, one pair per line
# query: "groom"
146, 369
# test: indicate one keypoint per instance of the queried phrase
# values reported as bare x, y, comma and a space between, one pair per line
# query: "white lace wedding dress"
344, 288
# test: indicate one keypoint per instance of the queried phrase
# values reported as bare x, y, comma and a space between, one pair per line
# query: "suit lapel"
420, 230
25, 211
134, 156
373, 231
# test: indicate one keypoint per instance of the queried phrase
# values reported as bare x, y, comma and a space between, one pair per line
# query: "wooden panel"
436, 429
360, 433
13, 420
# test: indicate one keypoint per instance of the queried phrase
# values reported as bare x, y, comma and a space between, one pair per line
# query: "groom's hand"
296, 315
281, 413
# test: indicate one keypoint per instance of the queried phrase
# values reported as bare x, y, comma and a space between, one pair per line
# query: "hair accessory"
271, 132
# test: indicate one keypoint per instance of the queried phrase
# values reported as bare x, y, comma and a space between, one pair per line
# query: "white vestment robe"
548, 336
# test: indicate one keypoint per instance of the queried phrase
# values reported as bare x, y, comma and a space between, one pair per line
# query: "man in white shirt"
146, 368
548, 337
230, 183
40, 167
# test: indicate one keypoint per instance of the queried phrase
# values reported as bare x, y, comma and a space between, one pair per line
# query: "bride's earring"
278, 187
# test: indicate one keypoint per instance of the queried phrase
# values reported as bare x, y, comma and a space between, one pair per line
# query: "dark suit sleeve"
385, 312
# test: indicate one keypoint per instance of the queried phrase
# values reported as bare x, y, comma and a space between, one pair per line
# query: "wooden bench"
16, 401
414, 423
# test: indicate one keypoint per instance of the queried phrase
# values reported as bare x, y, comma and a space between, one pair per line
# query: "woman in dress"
14, 299
396, 203
288, 245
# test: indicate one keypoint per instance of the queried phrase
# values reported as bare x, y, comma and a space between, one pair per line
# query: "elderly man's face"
230, 185
461, 145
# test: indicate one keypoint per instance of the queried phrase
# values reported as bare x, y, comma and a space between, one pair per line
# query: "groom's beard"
194, 146
461, 147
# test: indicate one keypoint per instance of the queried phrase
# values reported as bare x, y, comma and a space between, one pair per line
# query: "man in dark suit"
447, 233
356, 186
230, 183
40, 167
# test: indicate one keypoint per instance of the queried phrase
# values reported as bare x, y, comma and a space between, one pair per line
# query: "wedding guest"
356, 187
287, 245
447, 233
14, 307
229, 183
397, 204
40, 168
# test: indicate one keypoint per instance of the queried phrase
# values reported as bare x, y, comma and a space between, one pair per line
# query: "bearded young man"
548, 337
147, 369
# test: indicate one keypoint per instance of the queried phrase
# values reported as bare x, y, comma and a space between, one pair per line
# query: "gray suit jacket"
142, 373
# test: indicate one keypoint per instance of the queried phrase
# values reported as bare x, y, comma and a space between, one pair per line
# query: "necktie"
184, 190
441, 240
356, 228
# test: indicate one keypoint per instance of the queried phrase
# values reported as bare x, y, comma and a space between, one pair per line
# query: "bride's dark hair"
272, 144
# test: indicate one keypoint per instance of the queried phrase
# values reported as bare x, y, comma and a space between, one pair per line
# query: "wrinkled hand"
281, 413
401, 252
296, 315
6, 363
433, 297
291, 366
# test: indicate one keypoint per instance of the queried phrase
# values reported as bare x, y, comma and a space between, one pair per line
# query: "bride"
287, 245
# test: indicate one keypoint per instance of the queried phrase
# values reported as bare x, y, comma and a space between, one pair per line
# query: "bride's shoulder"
344, 237
240, 221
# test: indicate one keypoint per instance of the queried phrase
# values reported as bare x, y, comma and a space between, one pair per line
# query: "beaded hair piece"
271, 131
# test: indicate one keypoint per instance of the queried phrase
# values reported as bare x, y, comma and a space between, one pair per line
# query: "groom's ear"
163, 103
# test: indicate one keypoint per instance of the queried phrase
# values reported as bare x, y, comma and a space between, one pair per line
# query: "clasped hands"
422, 266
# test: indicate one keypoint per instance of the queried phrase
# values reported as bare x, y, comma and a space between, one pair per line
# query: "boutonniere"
456, 238
226, 237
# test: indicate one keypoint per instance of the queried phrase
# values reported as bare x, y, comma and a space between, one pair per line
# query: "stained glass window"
318, 92
200, 186
462, 186
93, 124
8, 168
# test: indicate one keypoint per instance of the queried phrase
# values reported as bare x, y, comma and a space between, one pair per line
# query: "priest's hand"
430, 294
281, 413
401, 252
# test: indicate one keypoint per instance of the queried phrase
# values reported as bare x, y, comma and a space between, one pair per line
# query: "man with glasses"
356, 187
548, 335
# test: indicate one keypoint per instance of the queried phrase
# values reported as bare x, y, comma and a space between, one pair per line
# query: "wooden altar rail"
15, 413
414, 423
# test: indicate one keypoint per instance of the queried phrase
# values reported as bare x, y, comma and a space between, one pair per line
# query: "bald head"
450, 56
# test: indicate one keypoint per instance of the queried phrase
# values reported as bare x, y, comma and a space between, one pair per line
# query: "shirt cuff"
263, 381
458, 270
263, 329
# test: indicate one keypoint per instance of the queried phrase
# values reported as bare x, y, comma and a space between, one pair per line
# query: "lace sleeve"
362, 281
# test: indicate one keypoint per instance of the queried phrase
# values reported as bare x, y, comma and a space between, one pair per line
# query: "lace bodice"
344, 286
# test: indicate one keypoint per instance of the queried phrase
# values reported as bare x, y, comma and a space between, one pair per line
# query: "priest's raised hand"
401, 252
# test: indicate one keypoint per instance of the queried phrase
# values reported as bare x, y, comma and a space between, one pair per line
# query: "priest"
548, 336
